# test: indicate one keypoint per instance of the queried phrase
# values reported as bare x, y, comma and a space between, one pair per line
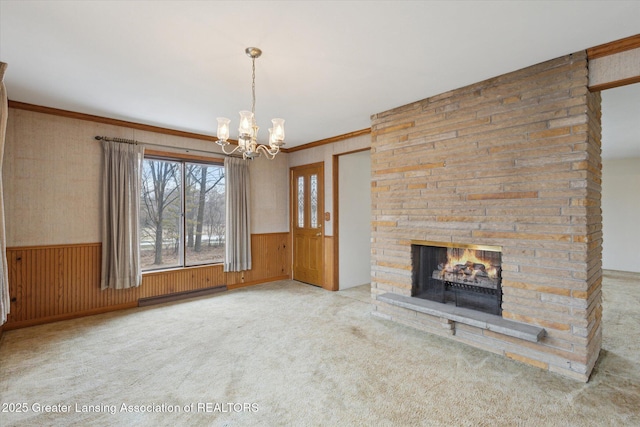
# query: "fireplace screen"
464, 276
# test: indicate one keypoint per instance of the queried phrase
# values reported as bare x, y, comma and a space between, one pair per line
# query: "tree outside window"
182, 214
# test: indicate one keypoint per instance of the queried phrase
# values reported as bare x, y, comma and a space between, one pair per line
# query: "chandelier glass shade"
248, 130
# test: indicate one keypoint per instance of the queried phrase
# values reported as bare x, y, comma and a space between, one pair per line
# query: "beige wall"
51, 177
620, 207
325, 153
354, 179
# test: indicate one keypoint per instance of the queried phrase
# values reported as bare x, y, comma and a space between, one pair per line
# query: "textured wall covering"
52, 169
614, 68
270, 195
513, 161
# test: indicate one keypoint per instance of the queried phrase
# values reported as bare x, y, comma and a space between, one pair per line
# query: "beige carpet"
290, 354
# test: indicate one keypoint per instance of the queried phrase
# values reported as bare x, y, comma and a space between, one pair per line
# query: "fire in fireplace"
465, 275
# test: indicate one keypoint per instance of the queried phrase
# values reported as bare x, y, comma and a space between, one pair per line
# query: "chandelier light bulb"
246, 122
223, 128
278, 129
272, 140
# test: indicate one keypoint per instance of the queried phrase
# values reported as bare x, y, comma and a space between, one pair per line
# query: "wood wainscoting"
57, 282
270, 260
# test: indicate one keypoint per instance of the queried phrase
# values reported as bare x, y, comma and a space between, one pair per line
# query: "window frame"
183, 159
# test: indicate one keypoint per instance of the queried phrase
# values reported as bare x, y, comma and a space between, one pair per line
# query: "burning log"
482, 281
469, 273
466, 268
469, 268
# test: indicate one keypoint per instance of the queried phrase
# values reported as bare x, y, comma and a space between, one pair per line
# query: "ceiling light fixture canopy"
248, 131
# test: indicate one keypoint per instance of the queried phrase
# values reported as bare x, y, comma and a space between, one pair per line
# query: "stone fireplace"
512, 163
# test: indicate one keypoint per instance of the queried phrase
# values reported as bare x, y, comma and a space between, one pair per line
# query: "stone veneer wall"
513, 161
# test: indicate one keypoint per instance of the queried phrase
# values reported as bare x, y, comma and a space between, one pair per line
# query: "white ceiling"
327, 66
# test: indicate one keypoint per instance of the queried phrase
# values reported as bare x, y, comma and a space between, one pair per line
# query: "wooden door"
307, 199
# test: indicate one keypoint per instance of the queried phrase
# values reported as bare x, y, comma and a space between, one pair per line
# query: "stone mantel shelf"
466, 316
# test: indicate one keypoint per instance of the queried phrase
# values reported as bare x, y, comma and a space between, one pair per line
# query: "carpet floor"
290, 354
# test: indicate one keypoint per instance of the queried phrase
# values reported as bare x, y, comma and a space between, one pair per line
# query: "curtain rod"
134, 142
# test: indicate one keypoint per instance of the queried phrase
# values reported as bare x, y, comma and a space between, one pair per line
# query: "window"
182, 213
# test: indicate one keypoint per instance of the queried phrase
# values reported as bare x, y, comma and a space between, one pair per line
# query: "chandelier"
248, 131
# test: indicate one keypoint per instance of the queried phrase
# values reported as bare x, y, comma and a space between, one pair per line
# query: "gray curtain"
121, 203
237, 230
5, 305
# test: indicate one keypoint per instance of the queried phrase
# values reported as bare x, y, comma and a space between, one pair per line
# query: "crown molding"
328, 140
611, 48
104, 120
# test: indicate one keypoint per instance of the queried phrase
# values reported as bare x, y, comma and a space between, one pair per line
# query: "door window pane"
301, 201
314, 200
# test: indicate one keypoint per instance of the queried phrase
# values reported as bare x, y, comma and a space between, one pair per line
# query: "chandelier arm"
273, 151
267, 152
229, 152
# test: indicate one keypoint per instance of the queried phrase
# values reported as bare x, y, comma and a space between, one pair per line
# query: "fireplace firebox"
464, 275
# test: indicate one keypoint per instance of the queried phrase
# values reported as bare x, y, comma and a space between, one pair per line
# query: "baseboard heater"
161, 299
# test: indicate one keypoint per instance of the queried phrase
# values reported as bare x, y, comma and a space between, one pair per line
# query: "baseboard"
161, 299
50, 319
258, 282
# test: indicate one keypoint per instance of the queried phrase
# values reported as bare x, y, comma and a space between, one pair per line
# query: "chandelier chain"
253, 86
